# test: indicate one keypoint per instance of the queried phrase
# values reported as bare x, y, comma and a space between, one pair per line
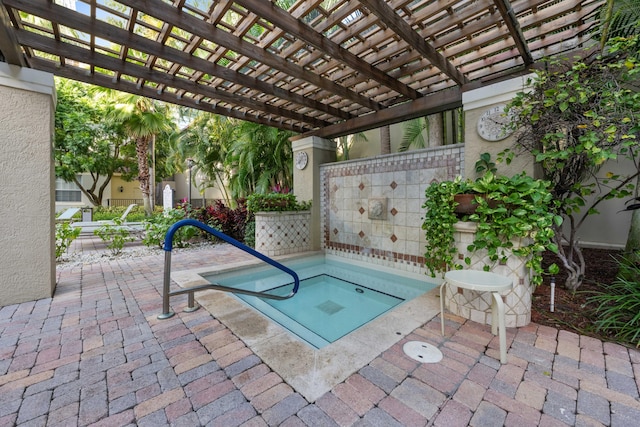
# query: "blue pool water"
334, 298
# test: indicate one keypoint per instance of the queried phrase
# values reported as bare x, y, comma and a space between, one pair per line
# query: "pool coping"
311, 372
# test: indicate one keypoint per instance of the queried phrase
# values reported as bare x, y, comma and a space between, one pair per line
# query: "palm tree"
259, 160
142, 119
206, 140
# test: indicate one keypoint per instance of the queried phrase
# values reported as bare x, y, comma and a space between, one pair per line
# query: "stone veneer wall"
282, 233
475, 305
371, 209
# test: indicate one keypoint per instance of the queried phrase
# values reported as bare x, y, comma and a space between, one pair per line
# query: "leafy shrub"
250, 234
229, 221
275, 202
65, 234
618, 305
105, 213
114, 235
157, 226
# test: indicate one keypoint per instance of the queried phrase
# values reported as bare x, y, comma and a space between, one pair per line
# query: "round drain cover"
422, 352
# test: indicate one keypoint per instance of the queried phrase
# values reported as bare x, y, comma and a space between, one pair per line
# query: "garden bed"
572, 312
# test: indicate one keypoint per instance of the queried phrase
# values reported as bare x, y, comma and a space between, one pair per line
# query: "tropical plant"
207, 140
115, 236
142, 119
65, 234
577, 117
157, 226
275, 202
229, 221
618, 304
260, 159
85, 142
509, 209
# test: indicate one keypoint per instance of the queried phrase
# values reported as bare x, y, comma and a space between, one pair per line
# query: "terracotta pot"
466, 203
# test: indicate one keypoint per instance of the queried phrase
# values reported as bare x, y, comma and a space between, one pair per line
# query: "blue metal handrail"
168, 246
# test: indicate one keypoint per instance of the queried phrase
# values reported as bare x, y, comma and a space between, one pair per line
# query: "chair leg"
442, 306
499, 304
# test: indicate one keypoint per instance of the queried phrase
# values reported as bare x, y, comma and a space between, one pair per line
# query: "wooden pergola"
317, 67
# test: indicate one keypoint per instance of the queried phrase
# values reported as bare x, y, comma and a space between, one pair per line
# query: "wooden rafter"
404, 30
272, 13
322, 68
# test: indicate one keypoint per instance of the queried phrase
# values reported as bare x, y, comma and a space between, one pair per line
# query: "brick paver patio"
95, 354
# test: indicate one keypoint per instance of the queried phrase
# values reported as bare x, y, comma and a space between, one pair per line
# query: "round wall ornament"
301, 160
492, 124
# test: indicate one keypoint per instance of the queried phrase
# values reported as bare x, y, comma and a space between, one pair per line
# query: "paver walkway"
95, 354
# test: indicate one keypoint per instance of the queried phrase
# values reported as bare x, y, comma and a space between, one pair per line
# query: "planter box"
476, 306
281, 233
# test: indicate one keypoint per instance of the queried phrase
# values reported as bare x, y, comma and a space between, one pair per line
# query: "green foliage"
107, 213
115, 236
576, 119
65, 234
618, 305
509, 209
275, 202
157, 226
250, 234
260, 158
84, 141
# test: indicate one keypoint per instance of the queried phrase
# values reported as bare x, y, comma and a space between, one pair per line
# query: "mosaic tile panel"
281, 233
476, 306
396, 241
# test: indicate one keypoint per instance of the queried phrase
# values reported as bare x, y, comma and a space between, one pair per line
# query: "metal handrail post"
166, 311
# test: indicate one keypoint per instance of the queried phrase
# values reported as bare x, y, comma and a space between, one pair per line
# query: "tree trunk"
632, 248
385, 139
572, 261
142, 149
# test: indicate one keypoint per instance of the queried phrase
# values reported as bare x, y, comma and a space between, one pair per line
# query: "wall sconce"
121, 189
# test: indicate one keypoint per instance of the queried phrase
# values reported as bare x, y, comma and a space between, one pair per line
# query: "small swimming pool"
334, 298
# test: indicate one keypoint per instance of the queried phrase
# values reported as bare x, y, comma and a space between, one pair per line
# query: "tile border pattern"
398, 240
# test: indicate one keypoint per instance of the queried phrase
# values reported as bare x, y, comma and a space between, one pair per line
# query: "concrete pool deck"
96, 354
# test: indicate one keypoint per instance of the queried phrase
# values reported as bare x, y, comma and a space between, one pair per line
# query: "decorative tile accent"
393, 238
365, 239
477, 305
378, 208
281, 233
335, 231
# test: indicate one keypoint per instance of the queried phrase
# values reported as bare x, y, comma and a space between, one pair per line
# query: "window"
67, 191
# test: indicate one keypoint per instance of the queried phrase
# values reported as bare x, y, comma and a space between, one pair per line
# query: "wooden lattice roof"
323, 67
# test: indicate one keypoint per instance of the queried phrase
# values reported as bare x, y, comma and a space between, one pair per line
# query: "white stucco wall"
27, 260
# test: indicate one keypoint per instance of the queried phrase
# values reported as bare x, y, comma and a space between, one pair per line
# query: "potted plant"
516, 209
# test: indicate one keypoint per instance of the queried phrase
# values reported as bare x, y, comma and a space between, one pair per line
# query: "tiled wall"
281, 233
476, 305
372, 208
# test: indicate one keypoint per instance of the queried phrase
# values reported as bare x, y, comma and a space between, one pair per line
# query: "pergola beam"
8, 43
286, 22
196, 26
125, 38
404, 30
435, 103
79, 54
511, 21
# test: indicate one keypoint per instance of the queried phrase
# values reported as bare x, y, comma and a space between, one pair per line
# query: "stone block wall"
371, 209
